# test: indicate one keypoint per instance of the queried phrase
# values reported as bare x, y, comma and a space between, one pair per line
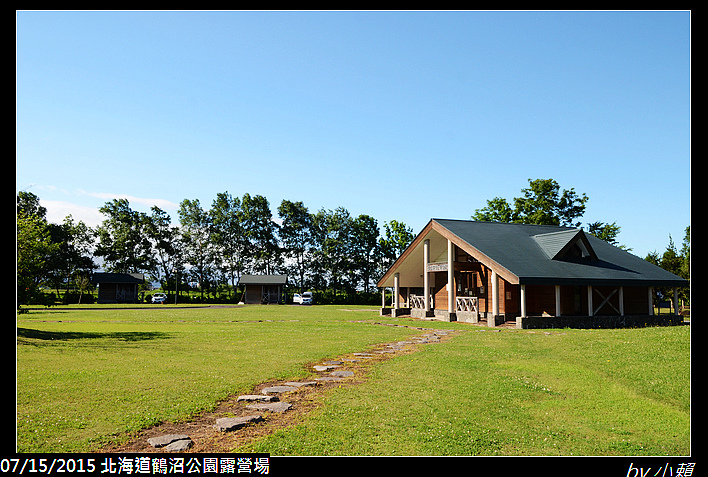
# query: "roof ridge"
573, 230
568, 227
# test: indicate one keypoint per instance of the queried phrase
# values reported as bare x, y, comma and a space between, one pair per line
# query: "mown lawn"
83, 375
97, 373
602, 392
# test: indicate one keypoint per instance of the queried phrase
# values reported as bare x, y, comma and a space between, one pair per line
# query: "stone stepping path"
269, 400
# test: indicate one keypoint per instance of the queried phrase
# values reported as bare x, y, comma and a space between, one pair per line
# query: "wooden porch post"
590, 311
650, 297
396, 290
558, 300
495, 300
621, 298
450, 277
426, 275
520, 320
676, 302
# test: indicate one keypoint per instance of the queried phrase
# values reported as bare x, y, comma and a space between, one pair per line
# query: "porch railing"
466, 303
418, 301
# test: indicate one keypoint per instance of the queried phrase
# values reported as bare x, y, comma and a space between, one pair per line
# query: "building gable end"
567, 244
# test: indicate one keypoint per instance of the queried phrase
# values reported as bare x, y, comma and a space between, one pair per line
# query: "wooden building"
118, 287
534, 275
263, 289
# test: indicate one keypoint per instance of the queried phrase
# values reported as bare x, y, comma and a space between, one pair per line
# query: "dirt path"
207, 439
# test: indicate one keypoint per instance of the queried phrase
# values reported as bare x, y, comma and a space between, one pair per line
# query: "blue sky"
399, 115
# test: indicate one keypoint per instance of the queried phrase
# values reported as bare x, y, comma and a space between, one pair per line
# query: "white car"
159, 298
304, 299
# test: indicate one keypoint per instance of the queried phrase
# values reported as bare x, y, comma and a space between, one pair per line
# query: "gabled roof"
263, 280
558, 245
534, 254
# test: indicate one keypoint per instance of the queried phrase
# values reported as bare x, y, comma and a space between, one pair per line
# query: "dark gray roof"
541, 254
263, 280
118, 278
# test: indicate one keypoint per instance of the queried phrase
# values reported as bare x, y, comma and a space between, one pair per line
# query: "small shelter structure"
537, 276
263, 289
118, 287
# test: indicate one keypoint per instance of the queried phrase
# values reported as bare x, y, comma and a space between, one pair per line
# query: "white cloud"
57, 210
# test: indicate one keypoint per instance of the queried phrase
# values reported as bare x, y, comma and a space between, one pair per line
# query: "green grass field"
86, 375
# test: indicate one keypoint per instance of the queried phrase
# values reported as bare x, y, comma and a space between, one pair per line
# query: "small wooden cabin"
263, 289
118, 287
537, 276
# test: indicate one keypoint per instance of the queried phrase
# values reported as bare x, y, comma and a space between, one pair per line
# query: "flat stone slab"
329, 378
179, 446
162, 441
342, 374
333, 362
271, 406
325, 368
363, 355
232, 423
298, 384
257, 397
278, 389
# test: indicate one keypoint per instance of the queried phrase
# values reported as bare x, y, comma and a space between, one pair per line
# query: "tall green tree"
364, 249
261, 232
541, 203
197, 244
297, 239
28, 205
34, 247
123, 241
229, 235
164, 238
685, 271
72, 257
607, 232
396, 239
332, 230
56, 255
678, 263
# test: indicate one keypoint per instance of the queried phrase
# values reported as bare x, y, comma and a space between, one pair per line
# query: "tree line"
328, 251
209, 249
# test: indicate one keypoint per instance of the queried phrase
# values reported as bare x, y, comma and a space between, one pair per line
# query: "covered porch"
438, 279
